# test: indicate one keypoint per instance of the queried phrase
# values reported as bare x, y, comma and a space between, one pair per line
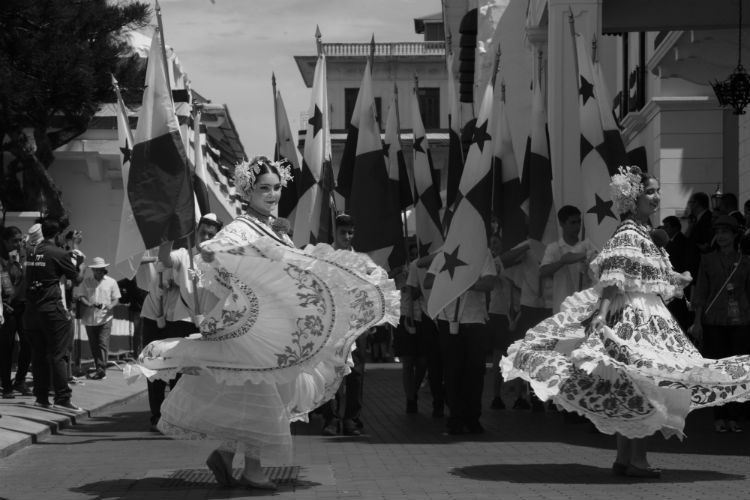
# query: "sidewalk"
21, 423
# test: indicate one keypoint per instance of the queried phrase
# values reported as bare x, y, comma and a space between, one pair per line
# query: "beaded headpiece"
625, 187
246, 172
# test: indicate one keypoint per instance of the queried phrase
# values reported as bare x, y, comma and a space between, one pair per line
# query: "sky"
229, 49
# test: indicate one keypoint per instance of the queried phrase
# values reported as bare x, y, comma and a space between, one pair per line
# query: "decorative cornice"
635, 121
652, 65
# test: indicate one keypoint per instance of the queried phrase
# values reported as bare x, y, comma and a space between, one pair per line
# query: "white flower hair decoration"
246, 172
625, 187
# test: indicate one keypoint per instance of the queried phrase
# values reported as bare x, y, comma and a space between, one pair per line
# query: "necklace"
260, 217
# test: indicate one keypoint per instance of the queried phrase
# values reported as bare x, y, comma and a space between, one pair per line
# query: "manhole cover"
191, 478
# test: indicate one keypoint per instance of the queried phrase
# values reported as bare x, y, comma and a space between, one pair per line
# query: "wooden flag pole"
160, 30
495, 69
404, 225
277, 146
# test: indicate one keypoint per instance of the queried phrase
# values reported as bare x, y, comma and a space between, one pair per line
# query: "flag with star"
427, 206
602, 149
129, 242
159, 184
455, 151
460, 261
507, 184
373, 204
286, 149
536, 179
395, 156
313, 222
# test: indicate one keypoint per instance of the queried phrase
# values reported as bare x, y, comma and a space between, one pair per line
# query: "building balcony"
394, 49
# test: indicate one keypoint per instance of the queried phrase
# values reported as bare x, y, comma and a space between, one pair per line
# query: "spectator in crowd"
699, 231
463, 343
169, 308
350, 394
722, 307
680, 251
97, 295
566, 260
728, 205
12, 258
45, 319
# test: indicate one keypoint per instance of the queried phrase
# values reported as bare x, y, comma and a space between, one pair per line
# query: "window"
429, 105
350, 99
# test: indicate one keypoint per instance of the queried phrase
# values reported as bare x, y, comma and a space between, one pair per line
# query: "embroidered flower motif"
625, 188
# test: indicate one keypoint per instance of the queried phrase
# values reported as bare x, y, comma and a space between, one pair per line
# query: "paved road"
523, 455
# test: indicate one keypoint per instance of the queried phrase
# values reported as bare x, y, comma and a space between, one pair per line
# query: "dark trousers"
13, 324
530, 317
722, 342
151, 332
463, 363
435, 372
99, 343
350, 393
51, 334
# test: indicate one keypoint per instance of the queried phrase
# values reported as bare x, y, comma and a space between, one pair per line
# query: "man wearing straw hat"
98, 294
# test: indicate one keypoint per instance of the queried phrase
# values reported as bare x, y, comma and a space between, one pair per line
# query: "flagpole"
416, 96
191, 237
398, 137
160, 30
277, 146
121, 105
496, 67
331, 199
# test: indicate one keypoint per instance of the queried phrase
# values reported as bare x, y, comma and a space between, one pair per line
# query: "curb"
46, 422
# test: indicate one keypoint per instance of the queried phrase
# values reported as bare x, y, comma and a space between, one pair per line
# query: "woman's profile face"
266, 193
648, 201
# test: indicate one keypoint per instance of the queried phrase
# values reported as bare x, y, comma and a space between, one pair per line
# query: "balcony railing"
385, 49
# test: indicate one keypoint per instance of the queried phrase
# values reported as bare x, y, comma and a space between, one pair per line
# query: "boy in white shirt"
566, 260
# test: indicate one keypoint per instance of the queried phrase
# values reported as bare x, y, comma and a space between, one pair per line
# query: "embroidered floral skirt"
276, 345
638, 375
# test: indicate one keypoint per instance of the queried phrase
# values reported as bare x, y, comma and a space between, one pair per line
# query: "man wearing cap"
97, 295
46, 320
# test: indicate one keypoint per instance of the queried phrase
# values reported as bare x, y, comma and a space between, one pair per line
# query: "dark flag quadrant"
286, 149
373, 204
159, 186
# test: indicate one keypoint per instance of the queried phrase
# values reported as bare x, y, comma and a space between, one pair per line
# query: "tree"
56, 58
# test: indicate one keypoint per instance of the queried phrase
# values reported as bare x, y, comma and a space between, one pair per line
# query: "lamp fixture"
735, 90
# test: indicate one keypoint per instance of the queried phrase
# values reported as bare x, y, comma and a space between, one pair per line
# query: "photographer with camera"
46, 318
98, 295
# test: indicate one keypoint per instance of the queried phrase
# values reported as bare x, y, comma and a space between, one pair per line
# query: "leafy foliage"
56, 57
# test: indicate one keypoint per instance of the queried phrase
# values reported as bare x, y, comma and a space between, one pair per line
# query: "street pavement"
111, 454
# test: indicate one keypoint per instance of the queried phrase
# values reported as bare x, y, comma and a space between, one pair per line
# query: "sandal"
264, 485
648, 472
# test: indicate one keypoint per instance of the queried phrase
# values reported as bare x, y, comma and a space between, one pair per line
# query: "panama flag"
286, 149
507, 188
460, 261
129, 242
427, 206
313, 218
536, 180
200, 176
159, 188
397, 174
455, 151
602, 149
373, 206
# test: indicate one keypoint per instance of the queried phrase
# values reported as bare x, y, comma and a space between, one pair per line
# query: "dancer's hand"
598, 322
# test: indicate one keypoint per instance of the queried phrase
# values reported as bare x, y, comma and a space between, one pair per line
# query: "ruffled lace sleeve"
632, 262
